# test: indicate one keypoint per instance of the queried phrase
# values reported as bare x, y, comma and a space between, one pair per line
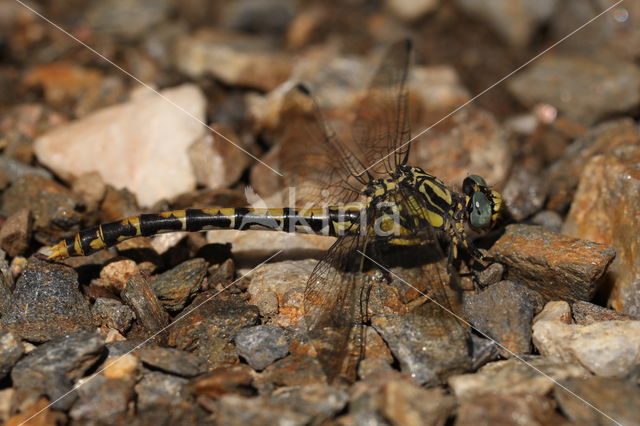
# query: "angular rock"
583, 89
172, 361
140, 145
513, 376
585, 313
16, 233
564, 175
614, 399
273, 285
113, 314
482, 351
429, 343
237, 379
233, 58
405, 403
261, 345
138, 295
14, 169
116, 274
102, 400
53, 207
556, 266
176, 287
40, 408
262, 16
127, 19
52, 368
511, 324
46, 303
11, 349
208, 324
525, 193
236, 410
294, 370
516, 21
159, 389
217, 163
609, 348
320, 401
555, 311
525, 409
121, 366
474, 139
612, 180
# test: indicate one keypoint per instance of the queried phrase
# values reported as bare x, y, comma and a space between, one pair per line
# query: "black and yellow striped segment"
331, 221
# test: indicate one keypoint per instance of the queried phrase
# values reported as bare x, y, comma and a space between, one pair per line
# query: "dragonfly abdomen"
331, 221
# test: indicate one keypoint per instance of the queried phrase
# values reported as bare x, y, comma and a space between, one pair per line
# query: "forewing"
381, 128
331, 303
311, 157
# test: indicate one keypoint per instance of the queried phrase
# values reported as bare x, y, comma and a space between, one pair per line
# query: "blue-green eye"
480, 211
470, 183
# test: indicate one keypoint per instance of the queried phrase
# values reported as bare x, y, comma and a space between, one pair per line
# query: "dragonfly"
361, 191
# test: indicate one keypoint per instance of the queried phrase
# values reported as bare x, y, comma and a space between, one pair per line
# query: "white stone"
412, 9
141, 145
607, 348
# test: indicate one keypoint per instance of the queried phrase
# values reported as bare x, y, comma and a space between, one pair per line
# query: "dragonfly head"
483, 204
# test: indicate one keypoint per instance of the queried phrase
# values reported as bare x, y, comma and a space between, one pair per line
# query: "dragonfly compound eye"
471, 184
481, 211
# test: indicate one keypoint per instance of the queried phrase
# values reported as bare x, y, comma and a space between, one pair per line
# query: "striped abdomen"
331, 221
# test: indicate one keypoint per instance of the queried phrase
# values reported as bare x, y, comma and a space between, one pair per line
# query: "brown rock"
405, 403
604, 138
37, 414
149, 312
53, 207
16, 232
235, 59
585, 313
606, 209
556, 266
237, 379
524, 409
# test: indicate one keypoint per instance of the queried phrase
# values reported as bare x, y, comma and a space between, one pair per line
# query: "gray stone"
138, 295
236, 410
159, 389
11, 349
585, 313
320, 401
261, 345
429, 343
46, 303
113, 314
52, 368
583, 89
176, 287
126, 18
172, 361
511, 324
102, 400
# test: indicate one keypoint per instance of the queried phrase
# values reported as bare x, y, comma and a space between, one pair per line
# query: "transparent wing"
381, 126
320, 167
331, 308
